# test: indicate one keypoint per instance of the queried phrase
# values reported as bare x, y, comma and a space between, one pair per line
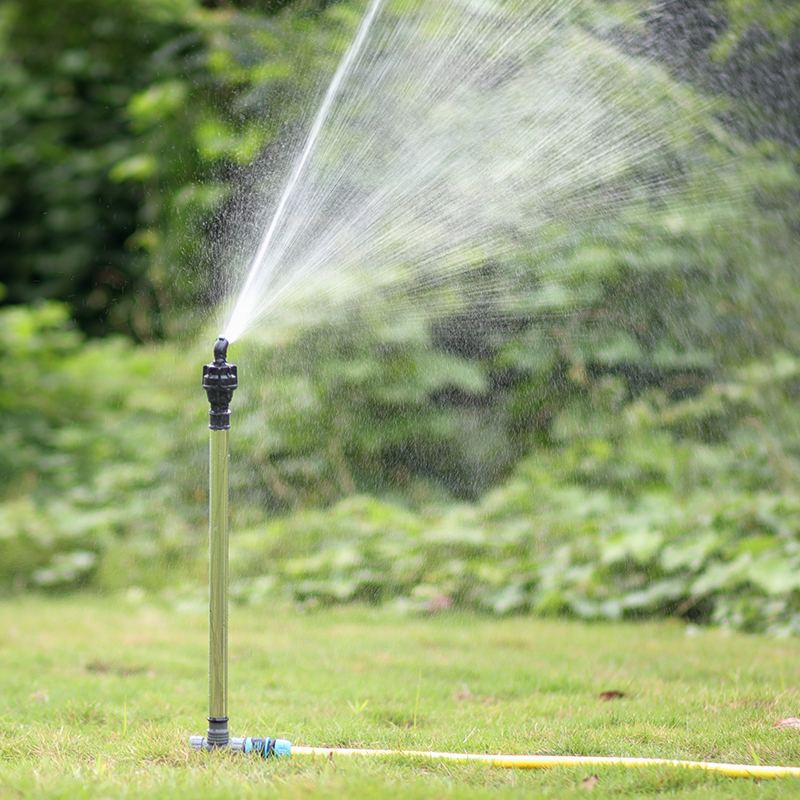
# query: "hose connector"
264, 746
219, 381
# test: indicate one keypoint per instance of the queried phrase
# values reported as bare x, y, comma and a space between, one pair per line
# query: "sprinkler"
220, 381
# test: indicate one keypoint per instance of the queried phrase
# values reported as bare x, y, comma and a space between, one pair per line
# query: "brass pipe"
218, 575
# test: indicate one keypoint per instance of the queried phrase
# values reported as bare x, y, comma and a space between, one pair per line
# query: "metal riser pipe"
219, 380
218, 582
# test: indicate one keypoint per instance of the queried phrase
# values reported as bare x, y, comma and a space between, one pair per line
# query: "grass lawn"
99, 698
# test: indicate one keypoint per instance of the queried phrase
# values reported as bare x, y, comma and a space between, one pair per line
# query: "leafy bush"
604, 348
641, 510
123, 132
67, 71
89, 457
635, 508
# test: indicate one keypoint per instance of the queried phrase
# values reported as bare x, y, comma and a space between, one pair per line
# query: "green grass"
99, 698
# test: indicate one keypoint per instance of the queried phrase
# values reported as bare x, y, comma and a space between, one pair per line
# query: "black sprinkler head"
219, 381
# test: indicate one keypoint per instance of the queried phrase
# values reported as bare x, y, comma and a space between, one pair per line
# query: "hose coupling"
264, 746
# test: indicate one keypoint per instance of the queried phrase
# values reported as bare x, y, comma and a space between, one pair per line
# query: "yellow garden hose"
546, 762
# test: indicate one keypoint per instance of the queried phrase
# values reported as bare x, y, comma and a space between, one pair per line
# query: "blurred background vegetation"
631, 448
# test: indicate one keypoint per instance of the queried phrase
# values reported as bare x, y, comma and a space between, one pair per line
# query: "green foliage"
121, 131
643, 509
745, 16
635, 507
66, 73
88, 453
131, 135
585, 392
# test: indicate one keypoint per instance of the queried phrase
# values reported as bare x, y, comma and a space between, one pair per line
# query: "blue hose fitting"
268, 748
265, 746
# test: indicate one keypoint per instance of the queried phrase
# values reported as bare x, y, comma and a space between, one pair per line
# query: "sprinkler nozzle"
219, 381
221, 349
